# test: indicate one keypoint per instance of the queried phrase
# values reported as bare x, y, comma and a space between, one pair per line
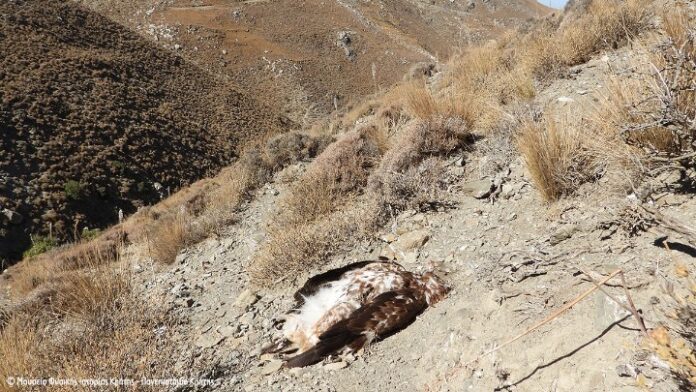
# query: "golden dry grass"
169, 236
605, 25
315, 218
188, 217
554, 157
625, 134
77, 319
294, 250
350, 189
339, 172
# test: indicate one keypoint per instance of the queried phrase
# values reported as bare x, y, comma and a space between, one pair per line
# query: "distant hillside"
93, 119
307, 57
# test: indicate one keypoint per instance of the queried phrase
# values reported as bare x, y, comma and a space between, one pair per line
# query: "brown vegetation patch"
554, 156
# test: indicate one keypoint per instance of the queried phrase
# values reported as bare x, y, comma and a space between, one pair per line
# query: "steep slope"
95, 119
309, 57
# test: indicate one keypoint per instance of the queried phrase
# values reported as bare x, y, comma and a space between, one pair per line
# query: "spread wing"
314, 283
389, 313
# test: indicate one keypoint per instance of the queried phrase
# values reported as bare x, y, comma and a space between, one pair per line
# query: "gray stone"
389, 237
227, 330
563, 233
478, 189
271, 367
12, 217
335, 366
608, 311
511, 189
413, 240
208, 340
246, 298
626, 370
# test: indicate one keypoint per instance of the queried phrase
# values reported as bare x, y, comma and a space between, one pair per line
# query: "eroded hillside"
94, 119
309, 57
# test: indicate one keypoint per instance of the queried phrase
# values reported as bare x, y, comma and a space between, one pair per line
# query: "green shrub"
40, 245
73, 190
89, 235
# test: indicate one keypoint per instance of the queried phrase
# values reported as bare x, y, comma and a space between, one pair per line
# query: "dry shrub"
675, 341
645, 124
289, 148
541, 56
321, 211
548, 50
182, 221
329, 208
406, 176
606, 24
26, 276
169, 236
80, 320
484, 78
554, 156
89, 294
339, 172
460, 103
294, 250
115, 341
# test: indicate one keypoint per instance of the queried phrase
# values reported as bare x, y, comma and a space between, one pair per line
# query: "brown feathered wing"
386, 314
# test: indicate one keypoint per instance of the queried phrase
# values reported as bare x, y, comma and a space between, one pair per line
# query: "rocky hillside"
309, 57
94, 119
528, 172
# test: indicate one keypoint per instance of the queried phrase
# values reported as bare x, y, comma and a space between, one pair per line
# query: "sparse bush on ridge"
73, 190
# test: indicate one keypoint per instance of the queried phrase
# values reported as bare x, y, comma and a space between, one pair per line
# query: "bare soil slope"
317, 54
94, 118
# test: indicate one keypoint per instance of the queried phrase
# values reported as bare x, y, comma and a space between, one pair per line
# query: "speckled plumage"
347, 308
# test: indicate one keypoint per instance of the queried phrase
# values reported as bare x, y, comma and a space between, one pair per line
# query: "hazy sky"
553, 3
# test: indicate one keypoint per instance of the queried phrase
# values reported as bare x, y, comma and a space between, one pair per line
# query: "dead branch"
630, 307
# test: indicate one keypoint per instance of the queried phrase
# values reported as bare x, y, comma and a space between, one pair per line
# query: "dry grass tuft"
339, 172
554, 156
606, 24
548, 50
406, 175
315, 216
350, 189
80, 319
294, 250
169, 236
